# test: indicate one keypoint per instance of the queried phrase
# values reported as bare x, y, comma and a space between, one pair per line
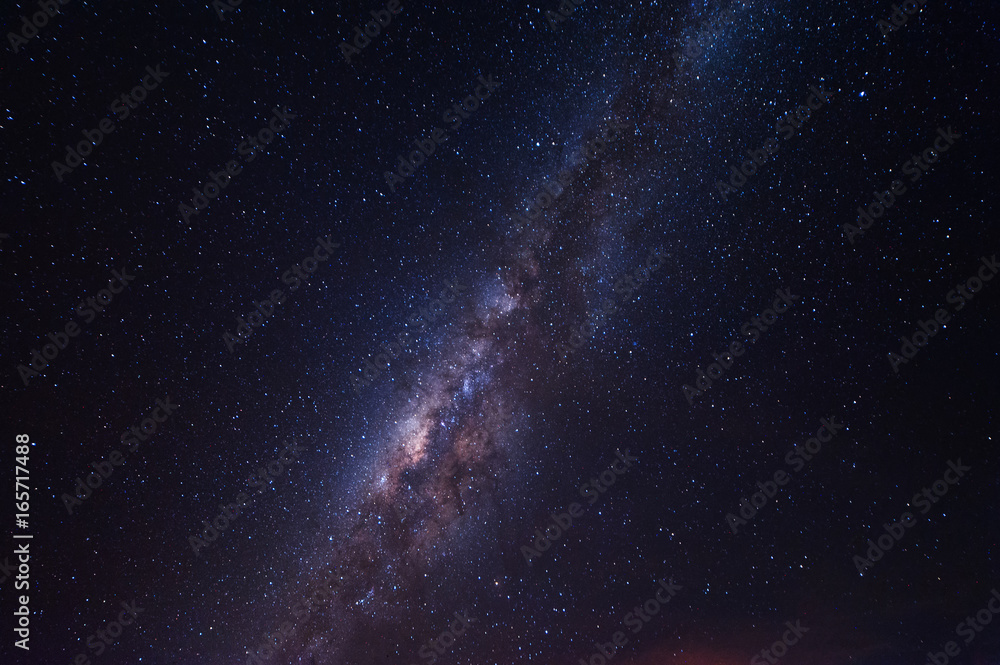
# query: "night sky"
612, 333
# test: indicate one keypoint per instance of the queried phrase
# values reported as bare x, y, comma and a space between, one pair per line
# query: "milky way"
607, 220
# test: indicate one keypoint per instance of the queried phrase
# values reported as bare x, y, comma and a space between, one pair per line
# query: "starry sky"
462, 352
